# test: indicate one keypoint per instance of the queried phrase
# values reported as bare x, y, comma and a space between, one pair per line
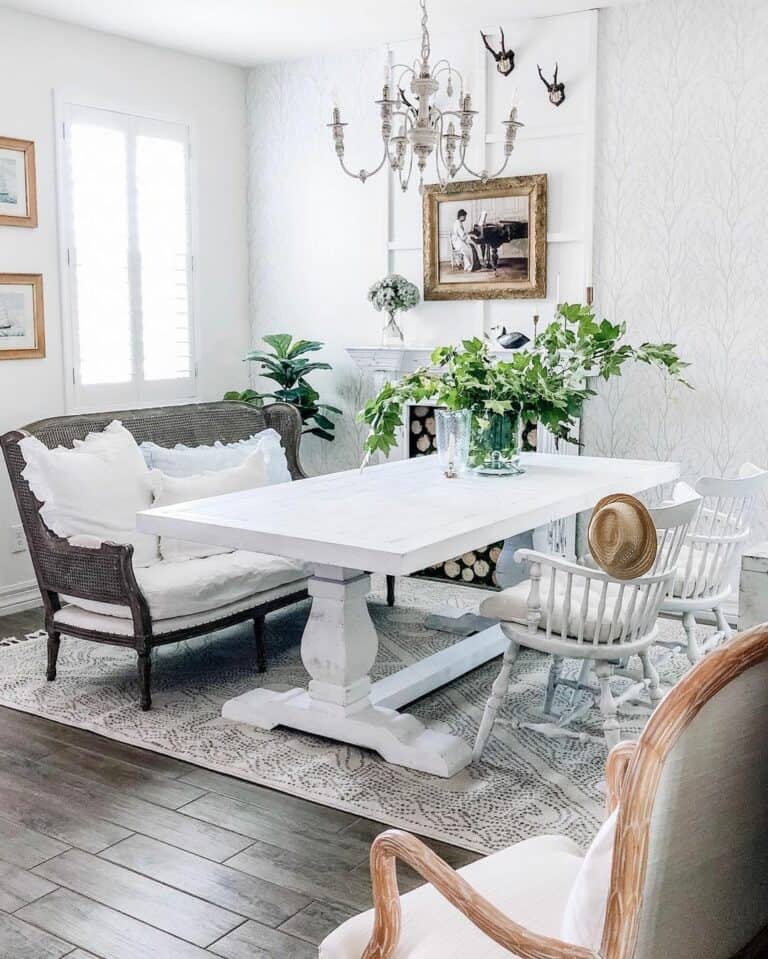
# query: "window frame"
137, 393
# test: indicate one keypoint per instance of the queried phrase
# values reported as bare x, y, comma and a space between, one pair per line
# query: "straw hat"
622, 537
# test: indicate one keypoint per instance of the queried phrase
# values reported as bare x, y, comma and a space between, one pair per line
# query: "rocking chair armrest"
394, 844
556, 562
619, 759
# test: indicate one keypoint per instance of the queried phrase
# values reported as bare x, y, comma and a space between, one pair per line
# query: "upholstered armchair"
679, 870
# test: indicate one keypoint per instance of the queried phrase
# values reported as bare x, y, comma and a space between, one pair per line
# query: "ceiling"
247, 32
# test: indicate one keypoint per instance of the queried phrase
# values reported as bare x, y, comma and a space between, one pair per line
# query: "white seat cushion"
529, 882
511, 606
75, 616
200, 585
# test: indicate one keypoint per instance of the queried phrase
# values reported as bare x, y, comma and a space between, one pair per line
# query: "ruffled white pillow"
584, 915
94, 489
192, 460
170, 490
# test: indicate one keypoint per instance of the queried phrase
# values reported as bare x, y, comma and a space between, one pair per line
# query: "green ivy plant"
545, 383
287, 365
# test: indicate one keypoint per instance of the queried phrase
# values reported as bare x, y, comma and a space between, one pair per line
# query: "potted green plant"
287, 365
546, 383
393, 294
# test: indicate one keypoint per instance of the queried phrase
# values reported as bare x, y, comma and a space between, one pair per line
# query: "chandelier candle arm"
422, 133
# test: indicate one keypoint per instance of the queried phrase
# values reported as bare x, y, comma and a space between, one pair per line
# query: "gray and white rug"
526, 784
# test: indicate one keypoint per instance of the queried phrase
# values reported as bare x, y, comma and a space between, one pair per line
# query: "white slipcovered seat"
530, 882
174, 589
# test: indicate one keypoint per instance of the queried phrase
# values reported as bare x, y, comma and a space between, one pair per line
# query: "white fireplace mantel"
397, 360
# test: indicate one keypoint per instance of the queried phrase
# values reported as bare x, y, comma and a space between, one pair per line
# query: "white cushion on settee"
190, 460
199, 585
171, 490
75, 616
529, 882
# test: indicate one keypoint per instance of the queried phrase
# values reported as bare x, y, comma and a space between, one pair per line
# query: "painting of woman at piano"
485, 240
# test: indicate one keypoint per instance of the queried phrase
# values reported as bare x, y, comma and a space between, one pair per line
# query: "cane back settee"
106, 575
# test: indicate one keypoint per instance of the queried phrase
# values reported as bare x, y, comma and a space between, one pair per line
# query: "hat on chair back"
622, 537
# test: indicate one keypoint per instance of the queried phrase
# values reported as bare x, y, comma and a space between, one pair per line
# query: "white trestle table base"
391, 519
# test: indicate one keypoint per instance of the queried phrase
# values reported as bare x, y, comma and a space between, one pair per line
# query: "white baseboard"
19, 597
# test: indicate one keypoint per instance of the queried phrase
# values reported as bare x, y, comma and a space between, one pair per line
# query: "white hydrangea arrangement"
393, 294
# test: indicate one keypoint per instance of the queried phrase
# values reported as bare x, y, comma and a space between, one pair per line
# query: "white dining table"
395, 519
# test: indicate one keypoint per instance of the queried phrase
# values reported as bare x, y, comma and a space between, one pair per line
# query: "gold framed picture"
18, 185
486, 240
22, 319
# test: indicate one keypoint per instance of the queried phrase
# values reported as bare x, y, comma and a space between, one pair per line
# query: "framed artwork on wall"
18, 185
486, 240
22, 320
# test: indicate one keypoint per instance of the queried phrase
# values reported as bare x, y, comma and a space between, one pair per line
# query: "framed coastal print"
486, 240
22, 322
18, 186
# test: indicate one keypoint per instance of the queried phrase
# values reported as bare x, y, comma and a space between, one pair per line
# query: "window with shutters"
125, 198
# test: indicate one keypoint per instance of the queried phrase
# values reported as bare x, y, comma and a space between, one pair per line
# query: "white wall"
40, 56
319, 238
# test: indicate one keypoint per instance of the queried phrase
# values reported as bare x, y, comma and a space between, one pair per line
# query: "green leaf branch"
545, 383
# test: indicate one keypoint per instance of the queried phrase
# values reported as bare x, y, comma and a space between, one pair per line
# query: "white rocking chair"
702, 578
580, 612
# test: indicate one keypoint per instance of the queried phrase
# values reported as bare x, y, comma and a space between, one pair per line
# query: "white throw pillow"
584, 915
170, 490
192, 460
94, 489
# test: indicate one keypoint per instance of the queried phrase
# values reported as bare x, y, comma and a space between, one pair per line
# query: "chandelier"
423, 128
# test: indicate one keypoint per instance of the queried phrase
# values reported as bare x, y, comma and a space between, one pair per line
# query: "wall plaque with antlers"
555, 89
505, 59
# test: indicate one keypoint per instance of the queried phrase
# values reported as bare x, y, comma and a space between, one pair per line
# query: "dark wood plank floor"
109, 851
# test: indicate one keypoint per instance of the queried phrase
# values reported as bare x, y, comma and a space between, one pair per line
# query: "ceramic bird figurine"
511, 341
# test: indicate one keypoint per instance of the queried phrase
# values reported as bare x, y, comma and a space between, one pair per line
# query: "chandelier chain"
425, 46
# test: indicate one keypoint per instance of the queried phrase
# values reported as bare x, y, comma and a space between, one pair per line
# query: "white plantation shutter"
125, 210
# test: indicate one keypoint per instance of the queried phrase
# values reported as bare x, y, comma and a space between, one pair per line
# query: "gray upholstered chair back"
705, 893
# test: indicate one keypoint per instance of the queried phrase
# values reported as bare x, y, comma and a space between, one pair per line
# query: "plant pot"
494, 444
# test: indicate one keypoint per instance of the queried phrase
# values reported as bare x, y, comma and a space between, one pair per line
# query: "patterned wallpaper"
682, 229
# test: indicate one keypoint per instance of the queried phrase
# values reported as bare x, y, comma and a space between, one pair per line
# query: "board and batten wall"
40, 56
681, 236
318, 238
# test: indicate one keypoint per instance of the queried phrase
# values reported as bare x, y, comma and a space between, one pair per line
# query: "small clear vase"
453, 428
392, 332
494, 444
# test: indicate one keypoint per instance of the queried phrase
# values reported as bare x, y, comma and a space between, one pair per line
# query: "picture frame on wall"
486, 240
18, 183
22, 318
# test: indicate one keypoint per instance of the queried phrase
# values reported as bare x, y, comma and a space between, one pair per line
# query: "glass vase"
392, 332
494, 444
453, 428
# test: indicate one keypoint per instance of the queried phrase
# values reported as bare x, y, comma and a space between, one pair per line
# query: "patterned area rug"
526, 784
